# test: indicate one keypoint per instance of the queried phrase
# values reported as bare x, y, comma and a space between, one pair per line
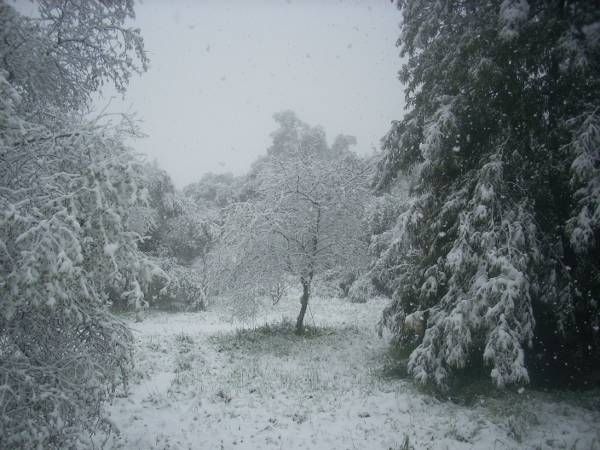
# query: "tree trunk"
306, 282
303, 306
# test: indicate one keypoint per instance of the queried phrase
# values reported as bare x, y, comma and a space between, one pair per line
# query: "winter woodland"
440, 292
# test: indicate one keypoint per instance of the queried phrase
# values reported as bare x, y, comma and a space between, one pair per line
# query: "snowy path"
203, 382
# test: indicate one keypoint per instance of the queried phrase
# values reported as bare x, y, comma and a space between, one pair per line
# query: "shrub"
361, 290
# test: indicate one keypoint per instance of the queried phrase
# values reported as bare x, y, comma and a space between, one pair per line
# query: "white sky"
220, 69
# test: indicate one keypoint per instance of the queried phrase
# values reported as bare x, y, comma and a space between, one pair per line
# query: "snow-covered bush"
178, 235
54, 383
214, 191
150, 220
189, 235
361, 290
181, 288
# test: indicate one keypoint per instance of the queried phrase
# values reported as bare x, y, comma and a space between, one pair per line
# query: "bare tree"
306, 217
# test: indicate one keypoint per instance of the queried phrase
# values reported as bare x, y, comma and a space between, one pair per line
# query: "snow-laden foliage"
585, 178
175, 224
494, 260
151, 219
513, 13
62, 57
180, 288
66, 253
190, 235
479, 278
178, 235
361, 290
304, 218
381, 216
66, 187
214, 191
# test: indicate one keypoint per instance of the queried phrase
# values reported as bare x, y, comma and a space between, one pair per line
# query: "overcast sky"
220, 69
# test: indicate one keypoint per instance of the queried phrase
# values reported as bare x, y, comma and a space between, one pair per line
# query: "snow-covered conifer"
496, 255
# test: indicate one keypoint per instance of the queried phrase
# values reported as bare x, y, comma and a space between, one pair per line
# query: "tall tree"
66, 187
305, 217
496, 259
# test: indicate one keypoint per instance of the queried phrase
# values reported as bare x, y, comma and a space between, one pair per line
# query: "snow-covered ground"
204, 381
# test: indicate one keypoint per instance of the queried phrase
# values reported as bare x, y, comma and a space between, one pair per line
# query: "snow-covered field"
204, 381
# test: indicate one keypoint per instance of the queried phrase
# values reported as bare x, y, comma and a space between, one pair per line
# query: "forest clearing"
204, 380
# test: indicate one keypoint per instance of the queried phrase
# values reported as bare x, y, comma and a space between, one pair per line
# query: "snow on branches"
304, 218
66, 186
585, 177
494, 259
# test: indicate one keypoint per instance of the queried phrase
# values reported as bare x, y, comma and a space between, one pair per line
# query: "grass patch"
183, 364
275, 338
184, 339
271, 358
285, 328
280, 341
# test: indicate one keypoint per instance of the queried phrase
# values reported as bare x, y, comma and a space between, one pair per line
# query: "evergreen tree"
496, 260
